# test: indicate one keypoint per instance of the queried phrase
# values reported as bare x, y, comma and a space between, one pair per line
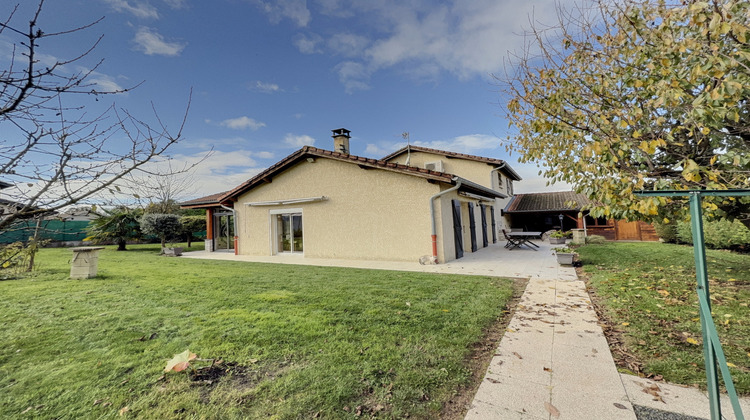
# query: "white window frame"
272, 230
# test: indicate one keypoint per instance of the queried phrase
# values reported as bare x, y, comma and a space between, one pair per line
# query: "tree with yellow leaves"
638, 94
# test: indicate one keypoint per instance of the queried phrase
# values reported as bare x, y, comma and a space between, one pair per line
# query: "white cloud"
264, 155
220, 171
242, 123
151, 42
375, 151
176, 4
308, 44
533, 182
105, 83
139, 9
471, 143
423, 40
348, 44
298, 141
266, 87
294, 10
354, 76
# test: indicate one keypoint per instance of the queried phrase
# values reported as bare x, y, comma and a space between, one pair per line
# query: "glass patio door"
224, 231
289, 232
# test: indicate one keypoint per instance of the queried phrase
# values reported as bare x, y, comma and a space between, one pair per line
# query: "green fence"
53, 230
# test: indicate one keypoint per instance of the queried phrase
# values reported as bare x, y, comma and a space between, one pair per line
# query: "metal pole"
701, 274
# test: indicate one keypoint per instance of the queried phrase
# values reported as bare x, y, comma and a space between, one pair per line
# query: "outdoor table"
524, 238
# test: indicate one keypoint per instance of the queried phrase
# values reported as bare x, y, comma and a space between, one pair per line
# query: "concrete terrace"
553, 361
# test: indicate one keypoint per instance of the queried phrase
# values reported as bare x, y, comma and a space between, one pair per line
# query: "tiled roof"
207, 200
456, 155
543, 202
313, 152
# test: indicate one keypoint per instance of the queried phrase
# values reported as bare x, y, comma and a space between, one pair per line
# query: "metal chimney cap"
339, 132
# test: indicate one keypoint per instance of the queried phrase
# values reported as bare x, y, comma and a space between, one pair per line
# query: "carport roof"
547, 202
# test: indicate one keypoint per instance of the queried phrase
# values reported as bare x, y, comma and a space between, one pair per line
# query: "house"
563, 210
414, 203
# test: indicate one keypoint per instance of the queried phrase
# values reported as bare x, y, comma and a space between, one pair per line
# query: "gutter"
496, 170
432, 214
234, 223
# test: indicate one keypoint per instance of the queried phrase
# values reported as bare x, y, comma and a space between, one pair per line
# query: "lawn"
648, 293
291, 341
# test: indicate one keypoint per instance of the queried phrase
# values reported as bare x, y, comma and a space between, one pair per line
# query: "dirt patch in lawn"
480, 356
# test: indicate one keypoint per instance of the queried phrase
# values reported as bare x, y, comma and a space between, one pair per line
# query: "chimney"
341, 140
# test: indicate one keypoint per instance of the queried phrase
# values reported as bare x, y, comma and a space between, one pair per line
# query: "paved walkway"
553, 361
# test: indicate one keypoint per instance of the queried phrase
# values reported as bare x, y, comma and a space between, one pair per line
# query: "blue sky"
270, 76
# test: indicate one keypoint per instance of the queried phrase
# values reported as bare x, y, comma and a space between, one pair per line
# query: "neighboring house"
541, 212
330, 204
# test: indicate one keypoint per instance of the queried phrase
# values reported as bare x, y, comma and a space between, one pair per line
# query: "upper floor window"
509, 186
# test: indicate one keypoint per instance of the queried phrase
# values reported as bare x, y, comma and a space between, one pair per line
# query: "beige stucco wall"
478, 172
370, 214
446, 247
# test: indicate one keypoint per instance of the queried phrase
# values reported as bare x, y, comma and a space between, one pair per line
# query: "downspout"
500, 187
432, 215
234, 223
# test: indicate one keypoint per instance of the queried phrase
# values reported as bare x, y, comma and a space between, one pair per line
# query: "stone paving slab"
676, 398
563, 351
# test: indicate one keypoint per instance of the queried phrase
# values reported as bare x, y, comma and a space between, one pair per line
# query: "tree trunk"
121, 245
189, 239
34, 244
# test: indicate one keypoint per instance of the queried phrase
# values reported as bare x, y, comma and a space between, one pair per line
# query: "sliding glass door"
289, 233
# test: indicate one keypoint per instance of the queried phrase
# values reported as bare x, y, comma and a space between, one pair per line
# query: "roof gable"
455, 155
309, 152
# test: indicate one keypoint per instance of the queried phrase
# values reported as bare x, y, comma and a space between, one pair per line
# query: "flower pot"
565, 258
556, 241
172, 252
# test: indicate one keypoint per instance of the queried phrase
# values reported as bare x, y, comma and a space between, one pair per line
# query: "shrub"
717, 234
192, 225
667, 231
165, 226
595, 239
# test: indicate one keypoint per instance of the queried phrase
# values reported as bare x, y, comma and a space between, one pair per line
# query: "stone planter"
85, 262
556, 241
565, 258
172, 252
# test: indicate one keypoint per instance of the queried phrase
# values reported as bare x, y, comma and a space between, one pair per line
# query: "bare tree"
53, 150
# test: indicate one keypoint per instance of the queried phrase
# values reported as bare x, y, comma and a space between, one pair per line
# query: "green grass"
649, 292
306, 340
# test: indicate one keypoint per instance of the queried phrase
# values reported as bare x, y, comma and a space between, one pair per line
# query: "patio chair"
512, 242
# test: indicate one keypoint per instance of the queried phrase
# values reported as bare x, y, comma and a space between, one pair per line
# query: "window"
509, 186
289, 233
599, 221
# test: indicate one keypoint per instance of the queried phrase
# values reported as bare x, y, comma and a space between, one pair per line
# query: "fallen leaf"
731, 365
625, 324
124, 410
552, 410
546, 369
691, 340
517, 355
180, 361
620, 406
